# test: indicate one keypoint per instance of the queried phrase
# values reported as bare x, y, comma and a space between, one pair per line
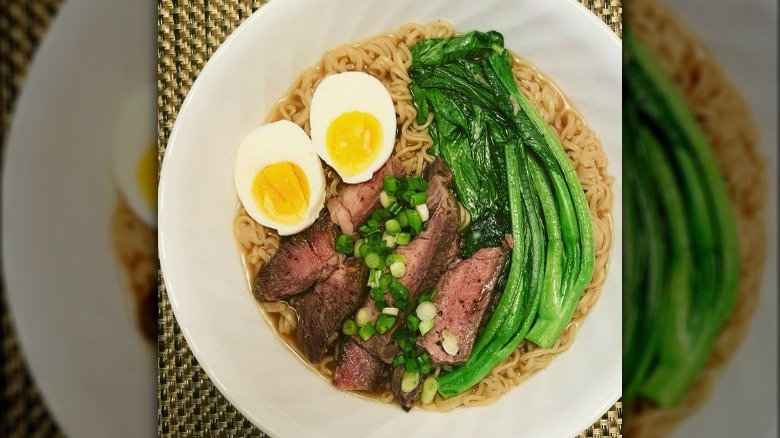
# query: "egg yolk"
353, 141
146, 176
281, 191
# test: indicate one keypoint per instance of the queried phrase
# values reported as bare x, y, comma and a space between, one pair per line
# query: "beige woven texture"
188, 34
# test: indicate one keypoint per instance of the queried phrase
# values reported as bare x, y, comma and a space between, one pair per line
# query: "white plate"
743, 39
77, 334
199, 257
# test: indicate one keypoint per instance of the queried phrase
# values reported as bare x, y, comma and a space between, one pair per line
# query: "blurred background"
78, 302
700, 350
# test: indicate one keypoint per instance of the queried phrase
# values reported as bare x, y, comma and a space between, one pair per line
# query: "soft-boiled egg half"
353, 124
279, 177
134, 153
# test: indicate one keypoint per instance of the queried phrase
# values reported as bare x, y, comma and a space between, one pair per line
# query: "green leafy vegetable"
499, 148
681, 269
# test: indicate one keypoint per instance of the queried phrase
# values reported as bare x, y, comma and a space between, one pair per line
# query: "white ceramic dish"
77, 332
744, 401
199, 257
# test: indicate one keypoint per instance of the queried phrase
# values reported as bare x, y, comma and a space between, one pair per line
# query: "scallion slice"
398, 269
367, 331
403, 238
390, 184
349, 327
425, 327
345, 244
430, 386
418, 198
392, 227
410, 381
384, 323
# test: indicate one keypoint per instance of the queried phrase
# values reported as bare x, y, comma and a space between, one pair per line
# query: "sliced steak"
300, 261
357, 201
462, 295
405, 399
322, 311
356, 369
427, 257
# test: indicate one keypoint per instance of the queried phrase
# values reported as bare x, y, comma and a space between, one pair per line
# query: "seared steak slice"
322, 311
357, 201
462, 294
300, 261
405, 399
356, 369
427, 256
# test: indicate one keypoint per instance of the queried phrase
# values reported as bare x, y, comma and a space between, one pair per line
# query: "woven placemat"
22, 411
188, 33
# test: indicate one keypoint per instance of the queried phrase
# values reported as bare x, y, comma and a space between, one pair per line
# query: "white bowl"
71, 310
203, 274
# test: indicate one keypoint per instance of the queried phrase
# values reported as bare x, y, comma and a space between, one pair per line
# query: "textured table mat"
22, 24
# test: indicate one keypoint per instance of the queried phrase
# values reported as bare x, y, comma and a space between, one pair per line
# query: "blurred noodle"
725, 119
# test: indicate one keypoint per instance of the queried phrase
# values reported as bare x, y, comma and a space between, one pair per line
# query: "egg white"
352, 91
269, 144
135, 132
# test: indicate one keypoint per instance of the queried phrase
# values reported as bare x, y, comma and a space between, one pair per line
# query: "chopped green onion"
363, 316
373, 278
418, 198
411, 365
424, 361
386, 200
367, 331
385, 280
422, 210
389, 240
405, 338
373, 260
410, 381
403, 238
366, 230
449, 343
399, 290
361, 248
349, 327
398, 269
392, 311
345, 244
398, 360
356, 247
402, 219
395, 208
417, 183
393, 258
384, 323
391, 184
425, 327
381, 215
413, 323
426, 311
427, 297
377, 294
430, 386
415, 222
401, 303
392, 227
